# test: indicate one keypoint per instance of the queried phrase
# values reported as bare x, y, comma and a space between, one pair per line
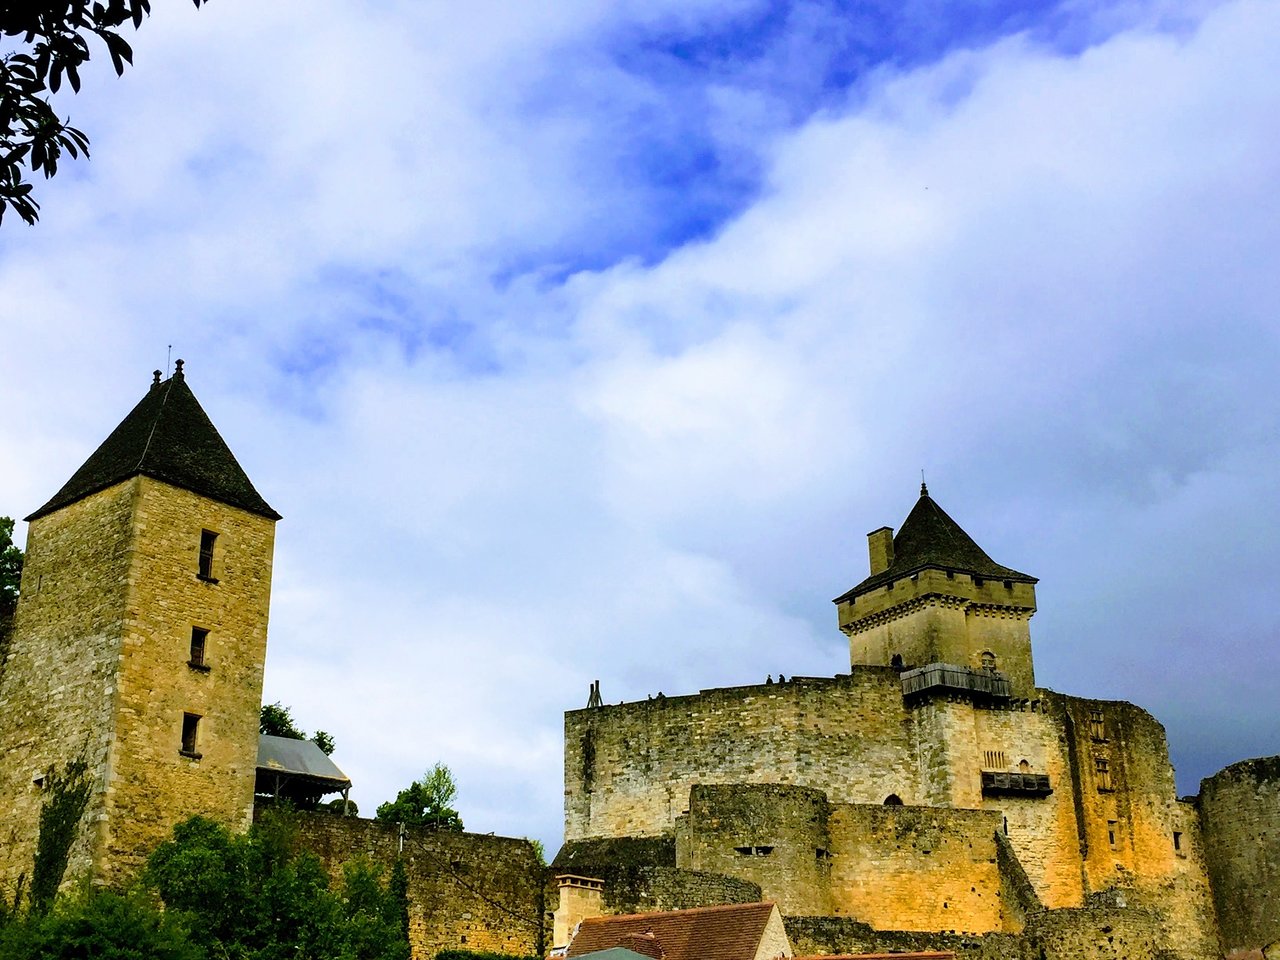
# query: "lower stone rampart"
466, 891
1081, 933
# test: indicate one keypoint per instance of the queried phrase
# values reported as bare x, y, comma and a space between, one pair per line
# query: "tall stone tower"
934, 596
131, 694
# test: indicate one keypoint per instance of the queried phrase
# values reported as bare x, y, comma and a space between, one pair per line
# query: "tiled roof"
926, 955
167, 437
930, 538
705, 933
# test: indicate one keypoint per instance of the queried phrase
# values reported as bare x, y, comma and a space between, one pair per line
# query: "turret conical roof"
167, 437
930, 538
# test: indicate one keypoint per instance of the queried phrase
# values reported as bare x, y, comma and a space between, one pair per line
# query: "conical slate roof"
930, 538
167, 437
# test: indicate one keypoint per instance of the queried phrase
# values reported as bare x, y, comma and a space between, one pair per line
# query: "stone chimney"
880, 546
580, 898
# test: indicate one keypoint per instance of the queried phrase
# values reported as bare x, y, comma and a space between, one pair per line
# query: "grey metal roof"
299, 758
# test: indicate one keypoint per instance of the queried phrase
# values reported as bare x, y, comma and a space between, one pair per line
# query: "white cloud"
1046, 278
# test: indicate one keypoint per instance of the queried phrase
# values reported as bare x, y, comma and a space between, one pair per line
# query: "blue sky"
588, 341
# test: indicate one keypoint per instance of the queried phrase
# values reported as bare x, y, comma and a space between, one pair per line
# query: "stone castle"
932, 798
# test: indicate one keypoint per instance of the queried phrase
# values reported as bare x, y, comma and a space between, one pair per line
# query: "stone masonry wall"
466, 891
1128, 818
932, 616
1094, 933
916, 868
58, 689
772, 835
629, 768
1240, 812
1027, 735
152, 785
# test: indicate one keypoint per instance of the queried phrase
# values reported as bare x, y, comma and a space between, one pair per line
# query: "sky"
587, 340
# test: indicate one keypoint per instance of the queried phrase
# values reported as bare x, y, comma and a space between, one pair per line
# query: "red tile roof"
706, 933
927, 955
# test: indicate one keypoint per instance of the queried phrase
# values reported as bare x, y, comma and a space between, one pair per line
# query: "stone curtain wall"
629, 768
466, 891
916, 868
58, 690
1240, 812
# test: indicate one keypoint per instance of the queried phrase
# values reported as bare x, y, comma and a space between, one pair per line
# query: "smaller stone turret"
934, 596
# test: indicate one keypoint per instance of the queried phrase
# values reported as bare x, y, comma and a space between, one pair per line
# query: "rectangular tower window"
994, 760
1111, 831
1097, 726
190, 731
207, 539
199, 637
1177, 840
1102, 770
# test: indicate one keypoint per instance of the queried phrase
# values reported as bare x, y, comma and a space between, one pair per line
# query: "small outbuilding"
297, 771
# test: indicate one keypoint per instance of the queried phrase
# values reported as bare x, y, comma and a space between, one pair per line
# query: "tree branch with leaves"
55, 35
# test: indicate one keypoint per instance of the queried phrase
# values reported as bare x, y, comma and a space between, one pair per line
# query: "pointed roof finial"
155, 378
924, 491
177, 370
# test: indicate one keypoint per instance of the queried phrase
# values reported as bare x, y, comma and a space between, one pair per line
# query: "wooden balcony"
998, 784
949, 679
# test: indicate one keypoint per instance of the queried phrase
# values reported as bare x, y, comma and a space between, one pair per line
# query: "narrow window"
1177, 840
190, 729
1111, 832
199, 638
988, 660
978, 581
1097, 725
1024, 766
1102, 770
207, 539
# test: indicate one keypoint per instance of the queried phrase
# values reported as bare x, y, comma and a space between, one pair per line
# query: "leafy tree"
55, 35
10, 578
277, 720
256, 897
99, 924
426, 802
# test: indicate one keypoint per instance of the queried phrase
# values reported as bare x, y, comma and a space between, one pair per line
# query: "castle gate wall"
629, 768
1240, 812
57, 690
466, 891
